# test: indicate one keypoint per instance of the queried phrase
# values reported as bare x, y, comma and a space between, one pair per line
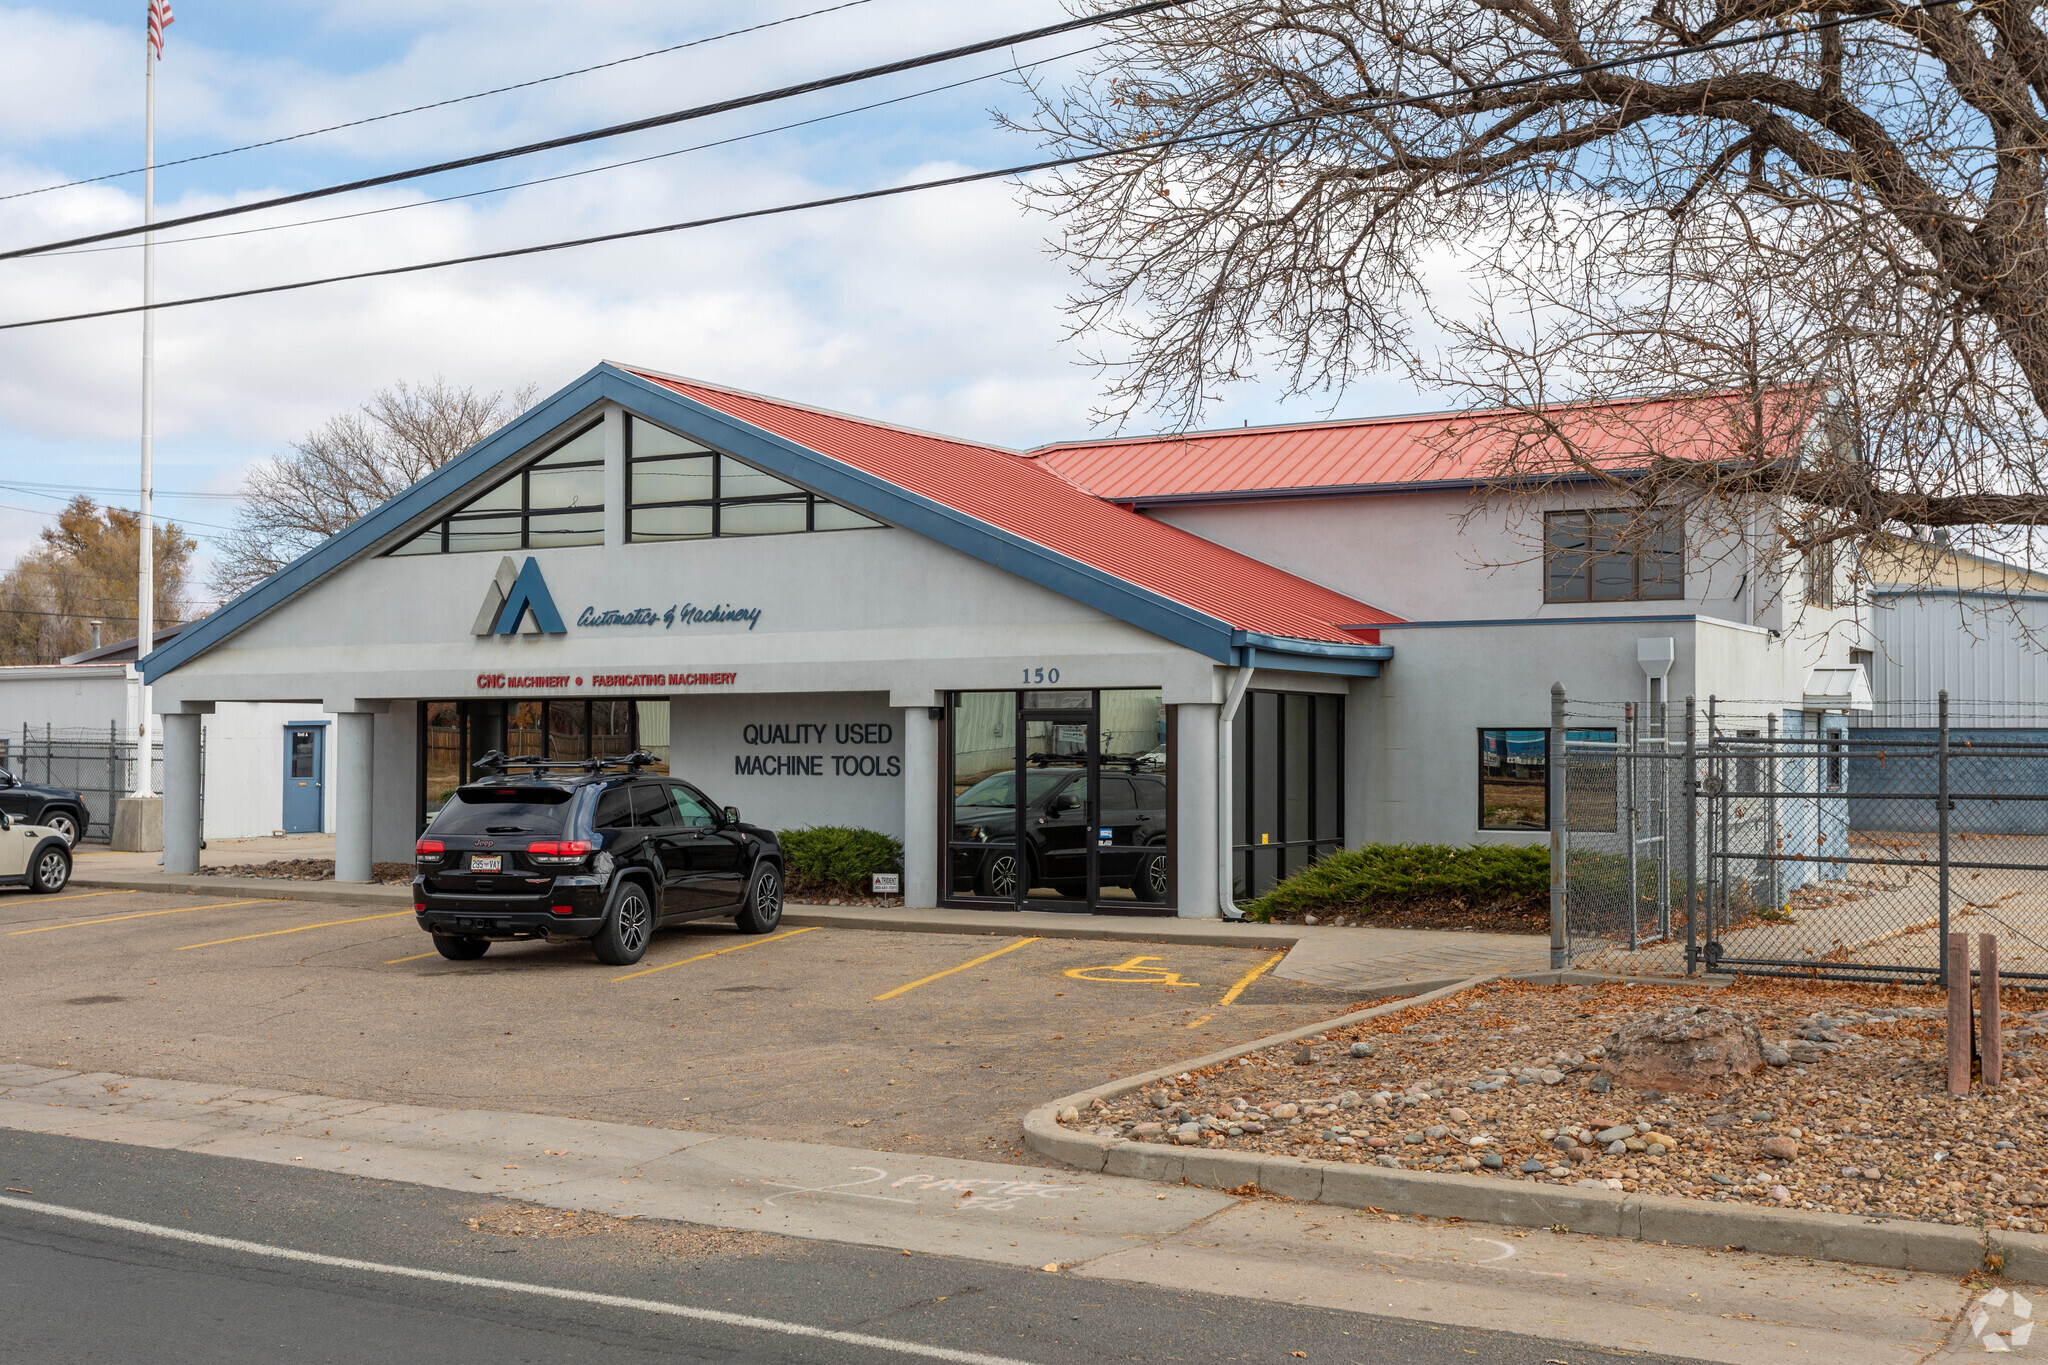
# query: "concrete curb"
269, 888
1895, 1244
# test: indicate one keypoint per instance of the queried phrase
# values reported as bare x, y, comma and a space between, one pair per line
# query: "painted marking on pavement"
141, 914
81, 896
927, 980
1132, 972
997, 1195
295, 929
750, 943
1201, 1021
1237, 989
394, 961
677, 1310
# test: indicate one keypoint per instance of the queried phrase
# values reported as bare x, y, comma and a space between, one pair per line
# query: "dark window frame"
718, 502
1635, 556
1246, 736
1479, 791
525, 512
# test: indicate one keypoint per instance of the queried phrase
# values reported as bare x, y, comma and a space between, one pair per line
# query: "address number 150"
1041, 675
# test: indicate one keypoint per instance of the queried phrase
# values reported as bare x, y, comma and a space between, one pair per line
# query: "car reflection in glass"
1129, 838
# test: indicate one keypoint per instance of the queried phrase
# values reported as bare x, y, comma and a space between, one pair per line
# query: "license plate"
486, 862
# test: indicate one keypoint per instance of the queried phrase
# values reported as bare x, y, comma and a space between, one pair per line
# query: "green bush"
838, 857
1386, 875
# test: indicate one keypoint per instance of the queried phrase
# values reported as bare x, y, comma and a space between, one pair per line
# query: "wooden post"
1959, 1014
1991, 1043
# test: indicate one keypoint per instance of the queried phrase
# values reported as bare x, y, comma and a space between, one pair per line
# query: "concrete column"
1196, 853
355, 802
181, 831
921, 848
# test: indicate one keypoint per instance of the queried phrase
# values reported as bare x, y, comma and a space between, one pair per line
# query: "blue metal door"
304, 778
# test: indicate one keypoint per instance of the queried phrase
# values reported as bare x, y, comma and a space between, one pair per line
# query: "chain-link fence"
99, 765
1771, 840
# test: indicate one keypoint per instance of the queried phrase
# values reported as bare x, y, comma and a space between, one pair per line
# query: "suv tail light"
555, 853
429, 850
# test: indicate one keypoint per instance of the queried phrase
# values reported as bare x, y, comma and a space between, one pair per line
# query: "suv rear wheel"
763, 910
461, 949
628, 924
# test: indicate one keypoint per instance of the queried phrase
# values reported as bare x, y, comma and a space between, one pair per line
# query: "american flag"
160, 18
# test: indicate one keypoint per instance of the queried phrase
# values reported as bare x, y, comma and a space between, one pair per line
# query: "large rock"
1696, 1050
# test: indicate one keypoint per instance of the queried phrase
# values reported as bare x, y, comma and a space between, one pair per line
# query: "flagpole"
145, 577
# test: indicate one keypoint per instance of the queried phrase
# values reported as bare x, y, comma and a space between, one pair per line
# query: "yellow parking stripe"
927, 980
751, 943
141, 914
295, 929
1253, 975
83, 896
394, 961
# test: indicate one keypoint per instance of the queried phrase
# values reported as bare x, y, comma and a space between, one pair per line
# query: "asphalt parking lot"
903, 1042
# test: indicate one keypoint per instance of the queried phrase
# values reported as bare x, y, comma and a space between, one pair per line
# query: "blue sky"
939, 310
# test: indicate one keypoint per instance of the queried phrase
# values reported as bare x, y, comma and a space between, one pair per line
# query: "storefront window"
1061, 799
455, 734
1287, 784
677, 489
557, 500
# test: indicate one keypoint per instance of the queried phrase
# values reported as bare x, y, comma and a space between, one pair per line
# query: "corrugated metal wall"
1975, 646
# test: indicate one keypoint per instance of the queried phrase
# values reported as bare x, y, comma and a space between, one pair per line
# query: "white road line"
794, 1329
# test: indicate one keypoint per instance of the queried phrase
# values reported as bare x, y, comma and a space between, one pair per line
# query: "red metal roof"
1027, 498
1371, 453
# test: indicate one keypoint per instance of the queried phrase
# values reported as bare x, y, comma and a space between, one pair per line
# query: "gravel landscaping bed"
308, 870
1851, 1114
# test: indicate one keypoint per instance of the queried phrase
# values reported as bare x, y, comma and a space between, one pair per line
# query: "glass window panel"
1264, 709
567, 737
1294, 778
671, 523
1240, 775
1059, 701
522, 729
504, 498
587, 446
1663, 561
830, 516
1591, 781
649, 439
1117, 796
427, 542
1329, 758
566, 528
736, 480
611, 728
1565, 557
762, 518
1613, 561
445, 768
1513, 777
652, 808
579, 487
680, 480
650, 719
614, 809
483, 533
691, 808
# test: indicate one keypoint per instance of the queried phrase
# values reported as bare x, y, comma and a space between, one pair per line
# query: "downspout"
1226, 904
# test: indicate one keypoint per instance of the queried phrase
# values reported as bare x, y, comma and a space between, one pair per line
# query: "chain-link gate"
1820, 846
97, 764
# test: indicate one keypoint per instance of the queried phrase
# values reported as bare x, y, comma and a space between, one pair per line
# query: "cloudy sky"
940, 310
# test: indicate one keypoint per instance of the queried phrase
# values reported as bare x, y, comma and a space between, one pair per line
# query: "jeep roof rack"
498, 763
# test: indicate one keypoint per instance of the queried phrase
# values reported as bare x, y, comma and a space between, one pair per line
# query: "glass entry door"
1060, 801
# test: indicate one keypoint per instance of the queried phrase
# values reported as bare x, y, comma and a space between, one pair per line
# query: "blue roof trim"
362, 536
1152, 612
1309, 656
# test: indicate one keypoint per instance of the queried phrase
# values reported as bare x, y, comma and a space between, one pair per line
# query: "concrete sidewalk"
1570, 1288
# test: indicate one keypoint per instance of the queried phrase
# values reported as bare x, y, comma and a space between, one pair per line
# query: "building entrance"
455, 734
1061, 800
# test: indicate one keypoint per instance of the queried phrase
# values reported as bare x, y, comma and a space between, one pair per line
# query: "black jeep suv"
597, 850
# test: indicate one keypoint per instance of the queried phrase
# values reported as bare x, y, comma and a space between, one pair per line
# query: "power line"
594, 170
971, 177
44, 489
437, 104
615, 130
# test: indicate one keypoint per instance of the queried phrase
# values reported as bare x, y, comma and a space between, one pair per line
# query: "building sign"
514, 595
555, 682
787, 739
687, 613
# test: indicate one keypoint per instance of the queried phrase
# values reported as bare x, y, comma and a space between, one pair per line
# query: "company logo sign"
515, 596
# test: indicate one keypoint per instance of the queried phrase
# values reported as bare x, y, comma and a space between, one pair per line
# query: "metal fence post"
1774, 839
1692, 850
1941, 805
1554, 778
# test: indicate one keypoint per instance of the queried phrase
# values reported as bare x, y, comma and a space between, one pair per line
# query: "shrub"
838, 857
1383, 876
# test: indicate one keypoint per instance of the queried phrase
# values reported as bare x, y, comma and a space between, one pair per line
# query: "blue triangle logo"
529, 593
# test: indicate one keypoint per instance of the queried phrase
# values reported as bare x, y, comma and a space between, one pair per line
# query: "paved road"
80, 1292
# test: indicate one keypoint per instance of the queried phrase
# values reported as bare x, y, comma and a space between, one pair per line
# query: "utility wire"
614, 130
437, 104
971, 177
594, 170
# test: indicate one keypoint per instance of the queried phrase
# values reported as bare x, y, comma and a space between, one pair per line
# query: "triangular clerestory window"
557, 500
677, 489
